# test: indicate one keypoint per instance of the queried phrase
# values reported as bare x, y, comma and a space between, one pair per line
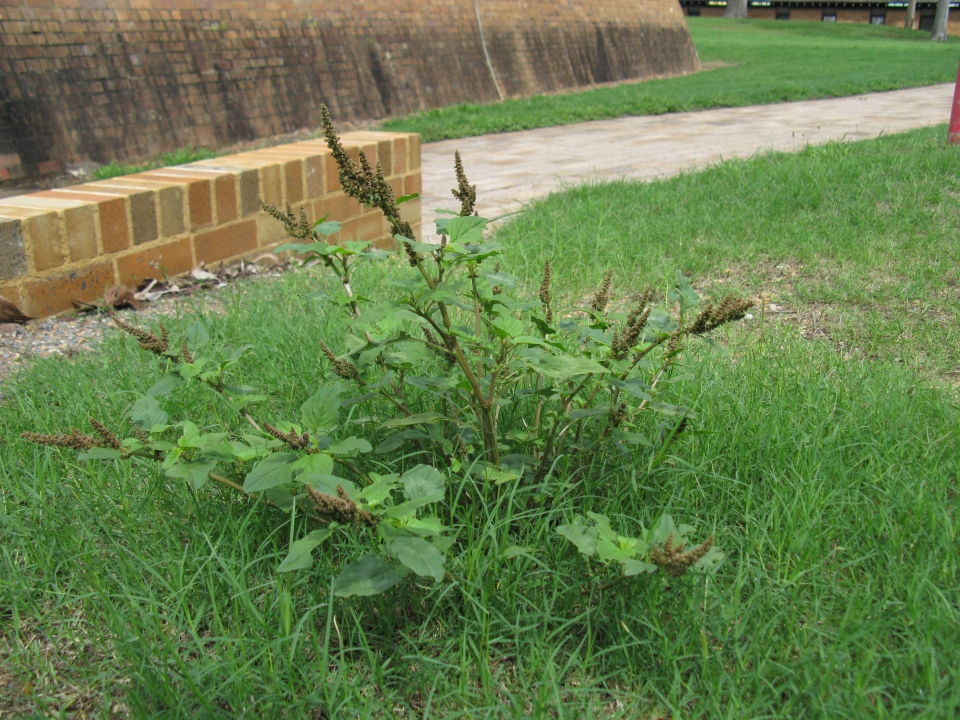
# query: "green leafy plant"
460, 374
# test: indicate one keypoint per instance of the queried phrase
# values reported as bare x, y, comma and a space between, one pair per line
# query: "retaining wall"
110, 80
70, 244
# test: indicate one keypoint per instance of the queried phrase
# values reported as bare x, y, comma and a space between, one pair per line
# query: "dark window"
878, 19
693, 12
926, 23
829, 17
783, 14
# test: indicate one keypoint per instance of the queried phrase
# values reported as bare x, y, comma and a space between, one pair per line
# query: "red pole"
953, 134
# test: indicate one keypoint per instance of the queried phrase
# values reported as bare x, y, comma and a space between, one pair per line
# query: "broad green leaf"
190, 433
463, 230
564, 367
147, 413
350, 446
273, 470
423, 483
665, 529
581, 536
316, 464
602, 526
508, 327
300, 556
637, 567
418, 419
322, 411
195, 471
367, 575
603, 409
420, 556
634, 388
397, 439
684, 293
282, 496
622, 549
327, 228
443, 543
166, 384
379, 490
407, 198
711, 561
197, 336
99, 454
672, 409
425, 527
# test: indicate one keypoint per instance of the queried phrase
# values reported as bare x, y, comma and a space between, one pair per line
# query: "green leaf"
368, 575
300, 556
350, 446
273, 470
420, 556
637, 567
672, 409
619, 550
684, 293
397, 439
425, 527
423, 483
581, 536
508, 327
322, 411
147, 413
379, 490
602, 526
316, 464
564, 367
711, 561
603, 409
418, 419
327, 227
463, 230
197, 336
193, 470
166, 384
407, 198
99, 454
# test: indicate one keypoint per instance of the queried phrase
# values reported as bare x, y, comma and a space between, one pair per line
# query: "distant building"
875, 13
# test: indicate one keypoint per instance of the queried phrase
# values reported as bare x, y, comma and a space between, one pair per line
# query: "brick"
315, 173
270, 230
399, 156
249, 192
293, 177
143, 213
13, 254
12, 293
56, 294
114, 233
413, 153
81, 232
368, 227
201, 205
271, 190
412, 184
171, 258
339, 207
43, 239
226, 242
226, 192
171, 211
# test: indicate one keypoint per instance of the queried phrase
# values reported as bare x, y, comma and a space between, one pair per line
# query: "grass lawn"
826, 462
770, 62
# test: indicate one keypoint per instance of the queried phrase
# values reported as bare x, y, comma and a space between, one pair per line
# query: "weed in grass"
754, 62
178, 157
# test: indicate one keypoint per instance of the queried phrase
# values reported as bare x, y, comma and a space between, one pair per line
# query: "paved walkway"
513, 168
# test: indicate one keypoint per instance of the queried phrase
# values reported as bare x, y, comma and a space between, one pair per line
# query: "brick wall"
122, 79
70, 244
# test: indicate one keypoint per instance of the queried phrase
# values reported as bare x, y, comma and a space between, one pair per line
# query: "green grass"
859, 240
772, 62
830, 480
178, 157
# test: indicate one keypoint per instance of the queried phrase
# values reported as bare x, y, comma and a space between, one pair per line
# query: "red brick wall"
122, 79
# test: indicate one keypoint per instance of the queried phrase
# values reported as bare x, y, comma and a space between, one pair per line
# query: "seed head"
344, 368
109, 439
545, 295
711, 317
157, 344
464, 192
185, 353
674, 561
339, 508
602, 296
296, 442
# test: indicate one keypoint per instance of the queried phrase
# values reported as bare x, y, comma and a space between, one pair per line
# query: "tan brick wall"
70, 244
124, 79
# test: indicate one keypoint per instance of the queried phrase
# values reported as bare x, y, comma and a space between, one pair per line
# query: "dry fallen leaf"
10, 313
121, 296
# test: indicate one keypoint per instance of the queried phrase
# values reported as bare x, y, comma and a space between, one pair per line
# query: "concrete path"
511, 169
